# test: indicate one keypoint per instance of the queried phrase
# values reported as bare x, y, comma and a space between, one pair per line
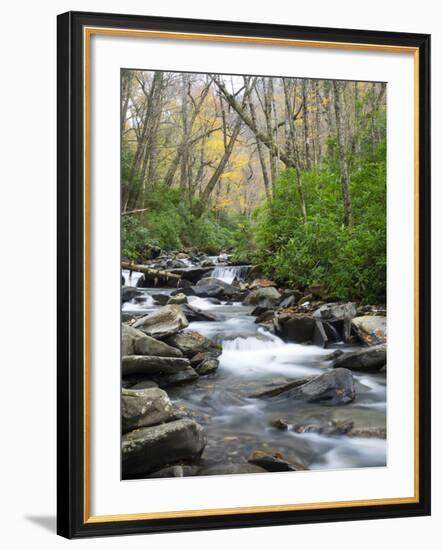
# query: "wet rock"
210, 287
379, 432
204, 356
367, 359
333, 355
176, 378
336, 387
191, 343
161, 298
178, 299
150, 365
271, 463
147, 449
324, 334
265, 316
136, 342
144, 407
144, 385
275, 390
207, 366
193, 314
371, 329
164, 322
279, 424
264, 297
296, 327
128, 293
335, 311
338, 316
332, 427
259, 310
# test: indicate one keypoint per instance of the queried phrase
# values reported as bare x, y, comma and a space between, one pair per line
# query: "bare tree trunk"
318, 124
340, 134
308, 159
265, 175
293, 147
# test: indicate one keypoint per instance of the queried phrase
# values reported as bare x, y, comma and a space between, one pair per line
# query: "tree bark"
340, 134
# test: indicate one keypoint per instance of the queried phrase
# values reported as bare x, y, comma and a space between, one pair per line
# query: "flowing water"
230, 273
254, 360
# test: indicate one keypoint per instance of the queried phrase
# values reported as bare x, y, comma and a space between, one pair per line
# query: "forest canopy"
287, 174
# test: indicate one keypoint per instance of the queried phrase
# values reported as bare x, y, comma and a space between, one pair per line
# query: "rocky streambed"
224, 373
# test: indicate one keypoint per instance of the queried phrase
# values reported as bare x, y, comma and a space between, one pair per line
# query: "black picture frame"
72, 394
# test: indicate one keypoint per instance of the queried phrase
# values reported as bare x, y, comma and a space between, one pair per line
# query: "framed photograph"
243, 210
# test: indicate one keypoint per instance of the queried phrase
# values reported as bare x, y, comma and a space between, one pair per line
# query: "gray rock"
176, 378
149, 364
338, 315
178, 299
144, 385
128, 293
271, 463
368, 359
195, 314
336, 387
191, 343
210, 287
203, 356
371, 329
207, 366
136, 342
332, 427
161, 298
164, 322
144, 407
324, 334
379, 432
147, 449
297, 327
264, 297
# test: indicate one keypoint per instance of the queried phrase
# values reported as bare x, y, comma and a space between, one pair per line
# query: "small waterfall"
131, 277
230, 273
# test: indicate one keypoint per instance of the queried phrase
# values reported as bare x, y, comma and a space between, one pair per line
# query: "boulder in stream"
136, 342
178, 299
271, 463
128, 293
371, 329
366, 359
177, 378
193, 314
144, 407
191, 343
264, 297
147, 449
210, 287
164, 322
149, 365
335, 387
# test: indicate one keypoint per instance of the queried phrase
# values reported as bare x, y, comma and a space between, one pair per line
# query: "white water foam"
230, 272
